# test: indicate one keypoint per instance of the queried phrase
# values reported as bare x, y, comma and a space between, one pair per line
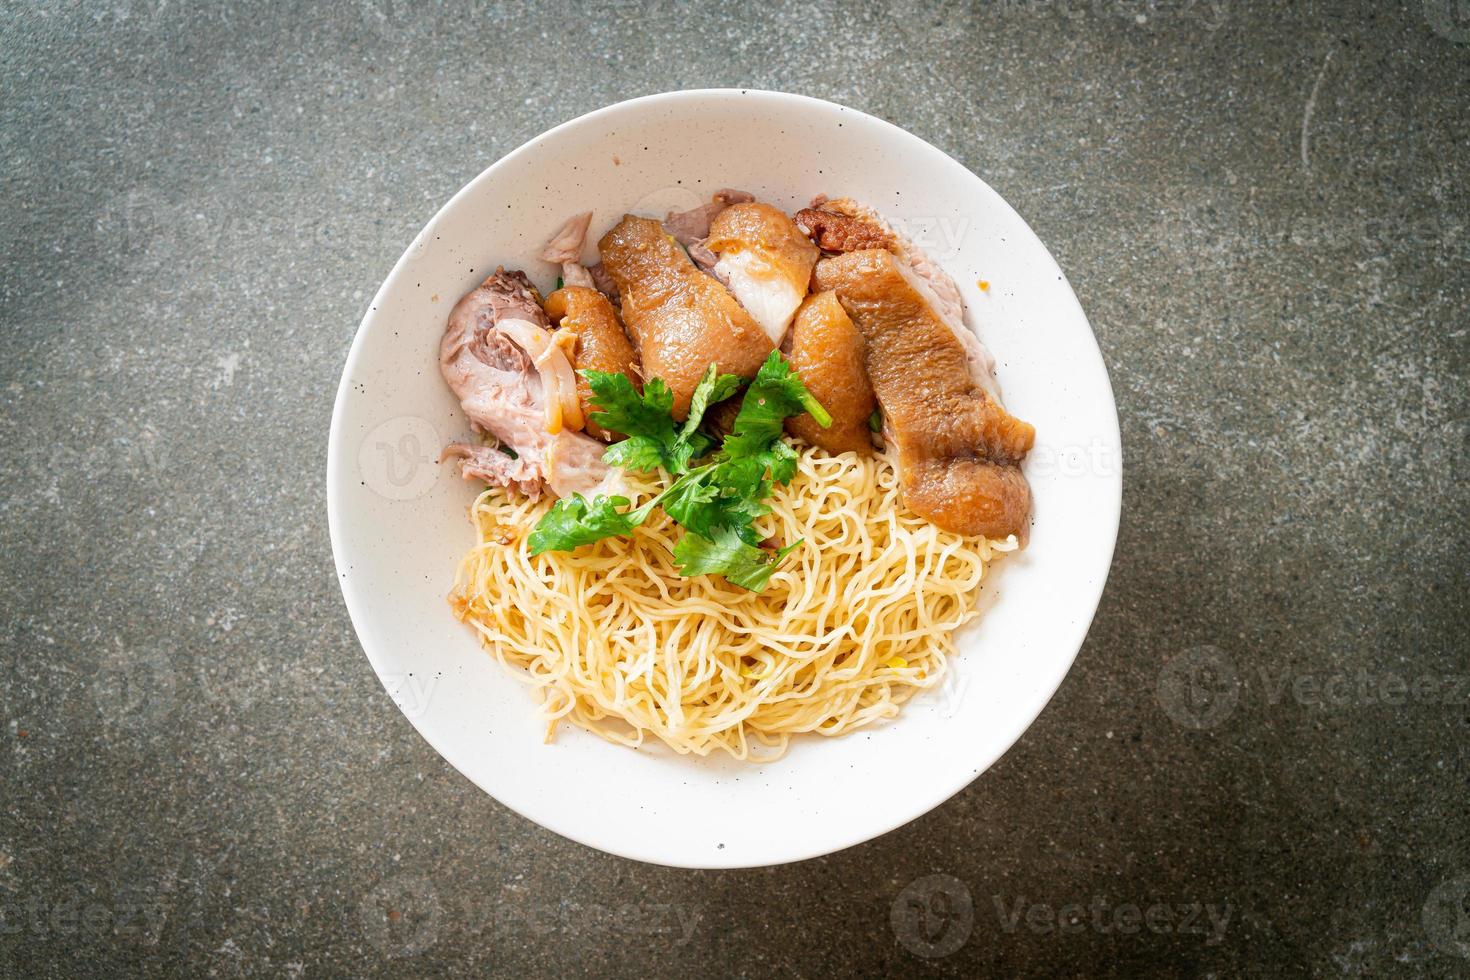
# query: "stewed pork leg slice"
827, 350
588, 320
959, 451
497, 357
680, 319
765, 260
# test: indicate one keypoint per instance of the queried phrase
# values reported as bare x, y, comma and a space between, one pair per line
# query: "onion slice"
558, 382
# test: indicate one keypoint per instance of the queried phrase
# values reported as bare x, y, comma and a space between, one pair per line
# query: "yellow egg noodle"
854, 623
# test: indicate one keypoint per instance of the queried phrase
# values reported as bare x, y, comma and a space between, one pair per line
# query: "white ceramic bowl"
399, 523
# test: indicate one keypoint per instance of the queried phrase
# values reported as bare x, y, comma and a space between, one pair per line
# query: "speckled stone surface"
1259, 763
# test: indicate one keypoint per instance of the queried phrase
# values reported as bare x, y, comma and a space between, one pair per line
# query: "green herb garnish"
573, 522
716, 503
654, 439
741, 563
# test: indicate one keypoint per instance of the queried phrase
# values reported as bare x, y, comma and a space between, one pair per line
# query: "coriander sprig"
716, 503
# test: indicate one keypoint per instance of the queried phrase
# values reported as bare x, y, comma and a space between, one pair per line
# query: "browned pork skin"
959, 451
844, 225
681, 320
765, 260
833, 231
692, 227
826, 349
598, 344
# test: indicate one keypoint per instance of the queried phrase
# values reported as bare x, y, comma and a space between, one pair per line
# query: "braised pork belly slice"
844, 225
765, 260
827, 350
587, 320
680, 319
958, 450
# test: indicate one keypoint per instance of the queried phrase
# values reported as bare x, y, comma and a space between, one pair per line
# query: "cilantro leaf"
746, 476
717, 503
704, 501
776, 394
624, 410
685, 451
635, 453
726, 554
572, 522
647, 419
712, 388
781, 458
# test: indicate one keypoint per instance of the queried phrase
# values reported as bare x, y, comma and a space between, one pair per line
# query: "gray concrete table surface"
1258, 765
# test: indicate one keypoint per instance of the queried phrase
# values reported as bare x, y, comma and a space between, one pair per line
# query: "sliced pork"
959, 451
597, 342
689, 227
498, 358
565, 250
843, 225
603, 282
834, 231
496, 467
827, 350
680, 319
765, 260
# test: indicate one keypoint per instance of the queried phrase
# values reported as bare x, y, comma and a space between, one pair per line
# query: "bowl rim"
1110, 513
